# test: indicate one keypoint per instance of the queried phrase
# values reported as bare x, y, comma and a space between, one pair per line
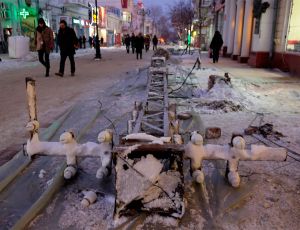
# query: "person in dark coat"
139, 45
44, 42
91, 41
84, 41
216, 45
127, 43
132, 41
68, 42
147, 41
80, 42
154, 42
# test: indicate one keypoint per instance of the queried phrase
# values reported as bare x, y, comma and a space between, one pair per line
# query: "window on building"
293, 38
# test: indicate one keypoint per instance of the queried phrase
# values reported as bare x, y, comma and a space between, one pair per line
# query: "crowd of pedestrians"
68, 42
137, 43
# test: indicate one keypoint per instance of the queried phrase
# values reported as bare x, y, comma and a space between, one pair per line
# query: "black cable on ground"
196, 63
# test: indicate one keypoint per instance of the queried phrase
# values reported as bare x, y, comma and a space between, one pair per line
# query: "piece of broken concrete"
184, 116
212, 133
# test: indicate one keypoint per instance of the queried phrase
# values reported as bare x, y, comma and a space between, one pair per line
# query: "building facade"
203, 21
19, 17
262, 33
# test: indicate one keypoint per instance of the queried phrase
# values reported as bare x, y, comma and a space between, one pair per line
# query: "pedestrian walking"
102, 41
67, 41
147, 42
80, 42
44, 42
127, 43
154, 42
91, 41
132, 41
84, 41
216, 45
139, 45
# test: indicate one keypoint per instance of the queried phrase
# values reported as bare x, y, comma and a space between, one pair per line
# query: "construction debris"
149, 178
213, 79
222, 105
265, 130
212, 133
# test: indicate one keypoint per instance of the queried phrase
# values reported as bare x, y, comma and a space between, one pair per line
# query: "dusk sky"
163, 3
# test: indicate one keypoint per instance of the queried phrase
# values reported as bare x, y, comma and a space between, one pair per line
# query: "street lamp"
97, 45
143, 12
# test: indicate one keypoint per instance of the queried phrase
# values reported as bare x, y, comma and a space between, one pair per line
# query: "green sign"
24, 13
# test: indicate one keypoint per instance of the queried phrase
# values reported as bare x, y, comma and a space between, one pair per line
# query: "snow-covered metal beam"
233, 153
68, 146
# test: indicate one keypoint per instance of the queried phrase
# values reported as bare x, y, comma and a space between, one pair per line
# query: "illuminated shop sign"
24, 13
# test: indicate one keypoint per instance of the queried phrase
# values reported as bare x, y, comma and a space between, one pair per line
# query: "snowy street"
269, 195
56, 94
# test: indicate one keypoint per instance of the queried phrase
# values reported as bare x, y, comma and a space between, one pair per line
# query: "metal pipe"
275, 16
97, 47
31, 97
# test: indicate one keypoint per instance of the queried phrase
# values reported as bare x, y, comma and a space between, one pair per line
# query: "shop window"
293, 38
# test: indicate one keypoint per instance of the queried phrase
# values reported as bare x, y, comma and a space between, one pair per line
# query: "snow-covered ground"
31, 59
269, 194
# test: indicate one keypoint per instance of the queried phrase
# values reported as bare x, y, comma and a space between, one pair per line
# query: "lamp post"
97, 45
143, 13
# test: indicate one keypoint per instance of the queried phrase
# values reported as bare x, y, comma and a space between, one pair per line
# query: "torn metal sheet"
149, 178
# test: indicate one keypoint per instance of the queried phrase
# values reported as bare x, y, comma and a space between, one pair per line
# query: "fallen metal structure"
149, 170
149, 174
148, 163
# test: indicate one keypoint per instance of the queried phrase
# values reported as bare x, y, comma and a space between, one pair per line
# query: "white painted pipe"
146, 137
130, 126
89, 198
195, 151
70, 172
31, 97
68, 146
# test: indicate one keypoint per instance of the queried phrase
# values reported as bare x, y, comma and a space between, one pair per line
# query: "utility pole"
200, 25
97, 47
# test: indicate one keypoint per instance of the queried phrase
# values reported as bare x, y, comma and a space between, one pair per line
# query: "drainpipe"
275, 15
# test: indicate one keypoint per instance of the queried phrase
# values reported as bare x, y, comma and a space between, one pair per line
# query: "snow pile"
221, 98
220, 91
